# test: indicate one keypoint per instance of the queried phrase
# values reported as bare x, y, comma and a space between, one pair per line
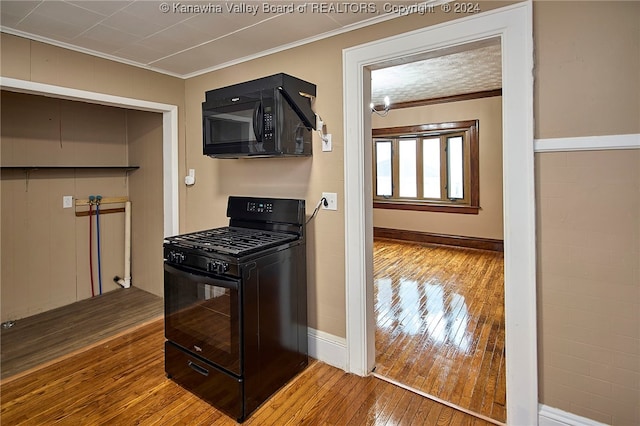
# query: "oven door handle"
205, 279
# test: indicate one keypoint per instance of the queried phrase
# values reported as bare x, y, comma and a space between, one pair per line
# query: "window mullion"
444, 173
374, 167
466, 146
419, 170
395, 182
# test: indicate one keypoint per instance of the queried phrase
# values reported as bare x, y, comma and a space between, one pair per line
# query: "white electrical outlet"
332, 201
326, 143
67, 201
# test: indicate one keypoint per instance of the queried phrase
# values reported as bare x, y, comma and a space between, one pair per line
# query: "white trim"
514, 25
588, 143
169, 132
328, 348
549, 416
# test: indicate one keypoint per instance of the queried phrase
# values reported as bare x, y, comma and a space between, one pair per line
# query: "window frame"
448, 129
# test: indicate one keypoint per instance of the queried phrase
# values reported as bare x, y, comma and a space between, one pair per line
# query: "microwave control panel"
268, 125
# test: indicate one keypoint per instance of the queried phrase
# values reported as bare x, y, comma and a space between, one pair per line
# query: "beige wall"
38, 62
28, 60
46, 261
46, 247
586, 68
144, 139
588, 84
589, 283
488, 222
306, 178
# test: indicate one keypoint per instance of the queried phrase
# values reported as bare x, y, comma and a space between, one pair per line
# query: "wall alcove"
52, 148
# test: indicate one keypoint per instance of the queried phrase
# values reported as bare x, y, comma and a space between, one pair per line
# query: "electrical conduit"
126, 281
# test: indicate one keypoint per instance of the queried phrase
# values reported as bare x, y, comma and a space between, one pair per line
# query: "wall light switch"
326, 143
67, 201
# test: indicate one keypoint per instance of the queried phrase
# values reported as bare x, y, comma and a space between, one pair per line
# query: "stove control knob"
218, 266
176, 257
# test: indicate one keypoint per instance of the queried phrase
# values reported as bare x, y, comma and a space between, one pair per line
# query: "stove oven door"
202, 315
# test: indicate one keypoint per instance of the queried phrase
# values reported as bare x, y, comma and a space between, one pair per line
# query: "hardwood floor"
122, 382
440, 323
44, 337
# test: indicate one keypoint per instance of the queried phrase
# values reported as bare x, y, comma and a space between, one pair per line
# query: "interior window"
427, 167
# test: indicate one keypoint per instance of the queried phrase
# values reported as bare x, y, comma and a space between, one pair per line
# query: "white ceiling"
188, 38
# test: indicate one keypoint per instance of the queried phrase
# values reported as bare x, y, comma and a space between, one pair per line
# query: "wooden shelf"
29, 168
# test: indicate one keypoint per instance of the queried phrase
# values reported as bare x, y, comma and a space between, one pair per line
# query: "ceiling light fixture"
385, 111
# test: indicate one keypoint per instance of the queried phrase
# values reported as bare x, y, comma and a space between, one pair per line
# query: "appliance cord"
324, 201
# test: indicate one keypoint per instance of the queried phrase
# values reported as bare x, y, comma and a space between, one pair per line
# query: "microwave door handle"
257, 121
218, 282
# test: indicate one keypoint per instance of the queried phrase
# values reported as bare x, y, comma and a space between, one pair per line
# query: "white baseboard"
328, 348
549, 416
588, 143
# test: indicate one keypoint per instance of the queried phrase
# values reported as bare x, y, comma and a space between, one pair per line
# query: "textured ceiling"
189, 38
474, 69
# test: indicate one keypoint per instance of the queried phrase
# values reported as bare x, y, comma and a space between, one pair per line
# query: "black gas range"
236, 304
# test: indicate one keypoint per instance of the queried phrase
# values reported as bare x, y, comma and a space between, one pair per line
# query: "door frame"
513, 24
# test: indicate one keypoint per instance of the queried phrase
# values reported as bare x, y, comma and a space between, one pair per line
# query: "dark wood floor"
440, 323
122, 382
41, 338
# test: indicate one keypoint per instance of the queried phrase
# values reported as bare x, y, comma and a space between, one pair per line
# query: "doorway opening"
439, 309
513, 26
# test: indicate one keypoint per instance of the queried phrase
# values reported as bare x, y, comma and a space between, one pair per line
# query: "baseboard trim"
328, 348
430, 238
588, 143
549, 416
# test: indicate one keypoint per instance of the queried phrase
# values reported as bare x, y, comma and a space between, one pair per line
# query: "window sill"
442, 208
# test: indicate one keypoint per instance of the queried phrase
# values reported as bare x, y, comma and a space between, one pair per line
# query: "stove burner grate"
231, 240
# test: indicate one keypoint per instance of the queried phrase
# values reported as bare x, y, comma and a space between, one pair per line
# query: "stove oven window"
203, 318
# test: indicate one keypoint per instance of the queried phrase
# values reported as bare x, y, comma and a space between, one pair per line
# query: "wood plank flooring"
122, 382
440, 322
44, 337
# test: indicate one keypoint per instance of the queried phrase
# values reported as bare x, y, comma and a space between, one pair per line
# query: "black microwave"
266, 117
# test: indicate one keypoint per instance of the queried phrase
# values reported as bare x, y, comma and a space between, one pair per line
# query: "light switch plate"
67, 201
326, 143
